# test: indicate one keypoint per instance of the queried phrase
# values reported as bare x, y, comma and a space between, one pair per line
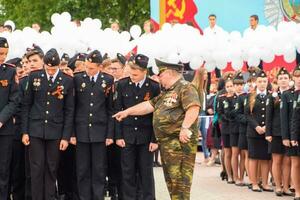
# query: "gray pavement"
207, 185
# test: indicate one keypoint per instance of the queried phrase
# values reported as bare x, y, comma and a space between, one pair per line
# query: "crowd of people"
59, 138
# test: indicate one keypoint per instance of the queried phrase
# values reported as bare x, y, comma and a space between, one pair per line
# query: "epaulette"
23, 77
67, 74
155, 81
79, 72
36, 70
106, 74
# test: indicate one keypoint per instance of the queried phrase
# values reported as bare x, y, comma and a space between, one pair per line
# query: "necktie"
93, 80
51, 79
262, 96
137, 86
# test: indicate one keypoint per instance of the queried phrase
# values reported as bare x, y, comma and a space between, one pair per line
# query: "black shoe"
154, 164
292, 190
256, 190
268, 190
240, 184
249, 186
231, 182
158, 164
289, 193
278, 193
224, 176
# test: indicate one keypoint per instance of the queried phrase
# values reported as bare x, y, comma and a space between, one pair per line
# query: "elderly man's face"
165, 77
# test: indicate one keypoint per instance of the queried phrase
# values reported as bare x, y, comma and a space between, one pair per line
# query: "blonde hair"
200, 83
132, 65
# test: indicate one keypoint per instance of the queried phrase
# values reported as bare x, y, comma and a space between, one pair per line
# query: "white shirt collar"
141, 82
95, 77
54, 75
260, 93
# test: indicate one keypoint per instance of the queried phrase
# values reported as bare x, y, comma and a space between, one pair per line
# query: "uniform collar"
54, 76
95, 77
261, 93
141, 82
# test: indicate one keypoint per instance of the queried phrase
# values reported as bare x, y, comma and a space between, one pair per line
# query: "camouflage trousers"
178, 162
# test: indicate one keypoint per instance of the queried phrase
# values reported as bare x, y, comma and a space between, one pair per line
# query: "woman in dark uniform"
255, 111
295, 137
225, 109
281, 164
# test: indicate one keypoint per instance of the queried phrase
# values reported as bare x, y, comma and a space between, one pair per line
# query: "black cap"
261, 74
228, 77
15, 61
3, 43
297, 68
51, 58
141, 61
76, 57
238, 79
162, 66
283, 71
121, 58
105, 56
65, 58
35, 49
94, 57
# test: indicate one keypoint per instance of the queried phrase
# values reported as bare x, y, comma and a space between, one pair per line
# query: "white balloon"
125, 36
97, 23
196, 62
66, 16
11, 23
210, 66
55, 18
267, 56
237, 64
290, 56
135, 31
253, 62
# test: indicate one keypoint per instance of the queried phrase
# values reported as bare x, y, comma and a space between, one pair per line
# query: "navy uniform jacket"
241, 118
93, 108
273, 115
8, 98
257, 117
22, 86
135, 129
286, 112
46, 112
296, 117
226, 106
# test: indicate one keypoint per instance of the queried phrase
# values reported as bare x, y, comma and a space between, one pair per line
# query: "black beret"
261, 74
35, 49
162, 66
94, 57
282, 71
121, 58
65, 58
141, 61
15, 61
238, 79
3, 42
51, 58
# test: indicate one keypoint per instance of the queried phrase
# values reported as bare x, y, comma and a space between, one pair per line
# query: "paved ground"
208, 186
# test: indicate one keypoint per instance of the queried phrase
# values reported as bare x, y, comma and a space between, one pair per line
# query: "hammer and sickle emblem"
175, 11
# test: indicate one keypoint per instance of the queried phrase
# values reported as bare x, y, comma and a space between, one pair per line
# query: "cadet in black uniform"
237, 165
47, 121
93, 126
135, 134
294, 137
225, 106
281, 164
255, 111
8, 107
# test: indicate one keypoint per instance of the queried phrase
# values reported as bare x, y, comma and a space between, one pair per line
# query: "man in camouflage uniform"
175, 114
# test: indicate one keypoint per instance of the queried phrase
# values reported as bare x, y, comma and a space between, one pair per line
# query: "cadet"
8, 104
93, 126
281, 164
135, 134
175, 122
47, 121
294, 137
226, 105
255, 111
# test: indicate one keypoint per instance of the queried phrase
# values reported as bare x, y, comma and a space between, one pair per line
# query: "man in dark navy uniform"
135, 134
47, 121
93, 126
8, 106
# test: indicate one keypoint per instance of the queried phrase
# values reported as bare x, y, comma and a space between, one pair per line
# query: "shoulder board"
152, 80
9, 65
23, 77
78, 72
104, 73
123, 79
37, 70
67, 74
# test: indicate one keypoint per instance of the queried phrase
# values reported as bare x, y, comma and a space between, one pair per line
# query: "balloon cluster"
173, 43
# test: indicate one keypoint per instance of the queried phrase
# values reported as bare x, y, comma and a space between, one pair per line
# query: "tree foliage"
26, 12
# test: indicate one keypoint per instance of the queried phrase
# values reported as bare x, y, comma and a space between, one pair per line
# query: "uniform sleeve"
241, 117
110, 111
118, 106
26, 104
189, 97
295, 122
284, 117
13, 100
69, 104
156, 92
154, 100
269, 114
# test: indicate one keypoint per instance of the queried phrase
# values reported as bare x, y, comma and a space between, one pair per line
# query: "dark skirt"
226, 140
243, 142
258, 149
234, 140
292, 151
276, 146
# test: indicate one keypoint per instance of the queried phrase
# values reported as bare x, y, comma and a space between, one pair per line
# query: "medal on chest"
170, 99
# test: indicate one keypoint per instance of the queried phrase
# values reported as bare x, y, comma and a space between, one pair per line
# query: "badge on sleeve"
295, 104
268, 101
281, 105
236, 107
225, 104
245, 102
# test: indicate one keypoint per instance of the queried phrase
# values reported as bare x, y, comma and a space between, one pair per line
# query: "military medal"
147, 96
225, 104
4, 83
83, 85
103, 84
59, 92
